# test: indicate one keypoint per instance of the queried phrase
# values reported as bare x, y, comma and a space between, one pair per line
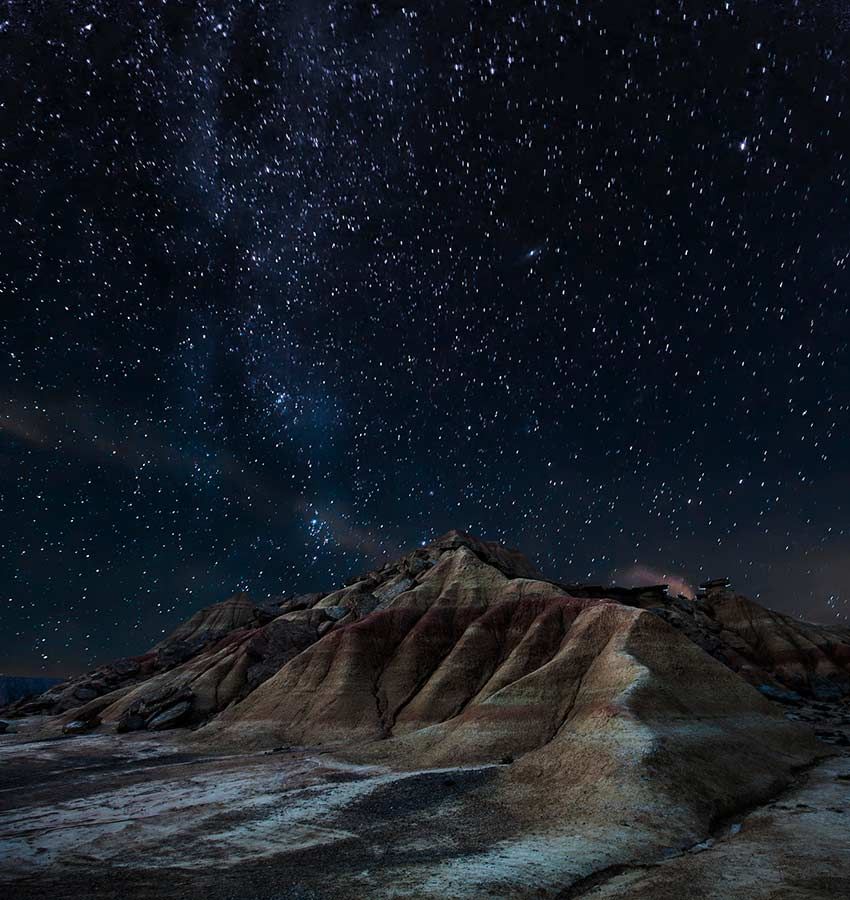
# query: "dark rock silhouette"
14, 688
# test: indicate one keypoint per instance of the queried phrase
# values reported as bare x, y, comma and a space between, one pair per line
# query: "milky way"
292, 286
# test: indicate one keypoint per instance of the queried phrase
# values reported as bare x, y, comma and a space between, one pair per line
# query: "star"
296, 287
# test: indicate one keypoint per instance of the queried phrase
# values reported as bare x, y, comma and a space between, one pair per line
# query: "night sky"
287, 287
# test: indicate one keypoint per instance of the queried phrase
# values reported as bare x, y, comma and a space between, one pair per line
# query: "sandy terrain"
138, 817
101, 816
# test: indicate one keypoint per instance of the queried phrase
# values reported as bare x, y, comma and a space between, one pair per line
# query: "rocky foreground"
451, 725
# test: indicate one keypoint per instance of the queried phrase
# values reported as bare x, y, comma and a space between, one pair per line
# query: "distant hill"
14, 688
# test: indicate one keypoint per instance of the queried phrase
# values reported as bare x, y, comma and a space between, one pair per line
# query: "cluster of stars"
299, 286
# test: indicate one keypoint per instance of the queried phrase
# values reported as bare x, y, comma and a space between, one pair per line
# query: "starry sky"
288, 287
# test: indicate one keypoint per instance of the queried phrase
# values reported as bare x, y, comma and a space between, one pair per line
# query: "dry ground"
137, 817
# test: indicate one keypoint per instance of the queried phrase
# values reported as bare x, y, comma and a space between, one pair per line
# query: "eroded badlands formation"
453, 724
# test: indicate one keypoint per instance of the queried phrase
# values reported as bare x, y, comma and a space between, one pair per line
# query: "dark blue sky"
287, 287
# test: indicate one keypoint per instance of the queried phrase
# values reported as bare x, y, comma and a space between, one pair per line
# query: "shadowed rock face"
14, 688
240, 623
812, 659
86, 693
223, 673
213, 623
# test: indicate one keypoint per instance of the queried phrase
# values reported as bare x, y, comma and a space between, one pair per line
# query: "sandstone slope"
220, 655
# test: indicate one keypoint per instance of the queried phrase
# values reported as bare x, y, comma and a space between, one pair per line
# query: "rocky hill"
202, 632
431, 638
527, 732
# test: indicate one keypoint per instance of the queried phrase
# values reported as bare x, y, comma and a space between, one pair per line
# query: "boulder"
301, 601
86, 692
80, 726
390, 591
336, 612
169, 717
131, 721
126, 667
780, 695
416, 565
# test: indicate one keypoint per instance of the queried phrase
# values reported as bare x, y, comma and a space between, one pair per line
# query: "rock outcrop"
607, 713
200, 632
224, 673
211, 624
470, 665
14, 688
786, 658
